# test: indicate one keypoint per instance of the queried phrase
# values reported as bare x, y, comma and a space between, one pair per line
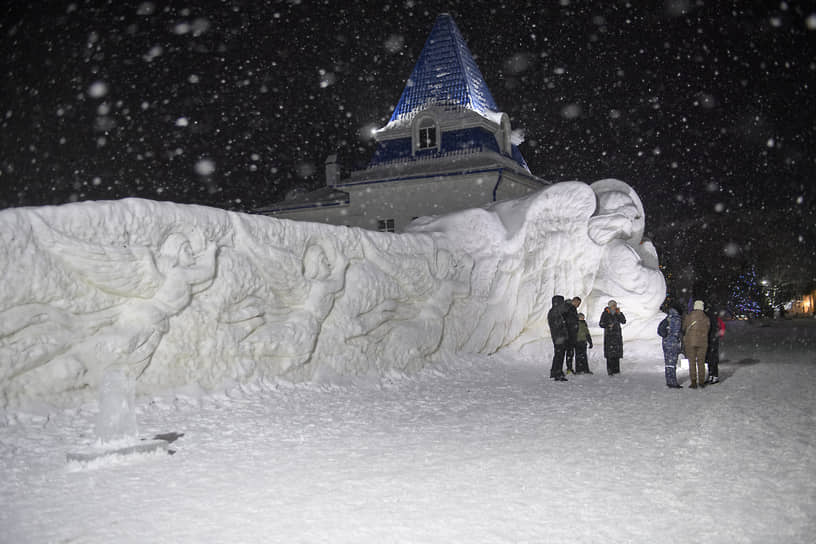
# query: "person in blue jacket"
671, 329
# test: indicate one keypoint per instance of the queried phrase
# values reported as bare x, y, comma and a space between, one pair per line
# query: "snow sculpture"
629, 270
117, 406
283, 321
171, 296
73, 348
524, 251
395, 317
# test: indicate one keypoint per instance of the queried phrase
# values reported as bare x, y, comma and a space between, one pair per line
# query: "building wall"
332, 215
402, 200
407, 199
805, 306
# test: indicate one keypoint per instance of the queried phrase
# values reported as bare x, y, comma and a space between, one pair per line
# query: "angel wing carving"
122, 271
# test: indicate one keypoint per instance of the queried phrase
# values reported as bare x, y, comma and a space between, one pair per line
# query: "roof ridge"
454, 30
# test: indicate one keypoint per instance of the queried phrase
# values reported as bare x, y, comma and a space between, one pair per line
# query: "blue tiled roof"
445, 74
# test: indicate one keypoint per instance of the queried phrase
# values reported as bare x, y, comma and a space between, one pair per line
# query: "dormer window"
426, 133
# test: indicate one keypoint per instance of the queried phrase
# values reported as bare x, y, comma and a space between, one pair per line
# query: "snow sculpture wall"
187, 296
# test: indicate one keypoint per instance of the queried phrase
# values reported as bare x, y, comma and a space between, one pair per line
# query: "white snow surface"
476, 449
188, 299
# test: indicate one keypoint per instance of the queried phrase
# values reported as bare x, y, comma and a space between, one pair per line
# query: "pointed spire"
445, 74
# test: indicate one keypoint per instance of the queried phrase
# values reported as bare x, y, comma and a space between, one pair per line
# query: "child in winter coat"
671, 331
582, 340
611, 320
571, 319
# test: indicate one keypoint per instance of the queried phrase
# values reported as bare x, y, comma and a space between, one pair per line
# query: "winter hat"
698, 305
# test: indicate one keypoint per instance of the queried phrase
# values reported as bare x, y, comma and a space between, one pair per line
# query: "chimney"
332, 170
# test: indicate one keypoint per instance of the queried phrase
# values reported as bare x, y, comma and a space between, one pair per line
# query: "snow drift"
187, 296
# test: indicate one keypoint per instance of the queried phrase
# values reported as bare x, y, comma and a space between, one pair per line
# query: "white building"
447, 147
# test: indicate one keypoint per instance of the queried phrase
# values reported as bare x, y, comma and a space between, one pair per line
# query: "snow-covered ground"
482, 449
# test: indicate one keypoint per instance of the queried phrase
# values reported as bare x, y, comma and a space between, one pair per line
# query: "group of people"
571, 338
698, 336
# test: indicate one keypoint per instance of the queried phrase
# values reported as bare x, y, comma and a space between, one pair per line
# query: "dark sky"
707, 108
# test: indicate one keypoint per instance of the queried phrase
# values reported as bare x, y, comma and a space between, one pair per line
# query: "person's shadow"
728, 368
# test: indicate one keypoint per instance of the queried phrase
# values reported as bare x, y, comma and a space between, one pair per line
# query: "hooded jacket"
583, 336
571, 319
555, 319
672, 341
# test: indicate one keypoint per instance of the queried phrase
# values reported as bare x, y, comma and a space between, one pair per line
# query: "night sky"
707, 108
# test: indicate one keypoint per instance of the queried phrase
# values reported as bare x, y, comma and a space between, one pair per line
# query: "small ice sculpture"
117, 406
116, 429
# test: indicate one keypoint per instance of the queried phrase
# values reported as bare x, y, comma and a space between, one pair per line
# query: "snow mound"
180, 296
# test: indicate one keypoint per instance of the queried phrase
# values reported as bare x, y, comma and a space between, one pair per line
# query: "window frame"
425, 125
386, 225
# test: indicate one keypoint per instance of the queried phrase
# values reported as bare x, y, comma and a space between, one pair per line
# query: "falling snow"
205, 167
673, 97
98, 89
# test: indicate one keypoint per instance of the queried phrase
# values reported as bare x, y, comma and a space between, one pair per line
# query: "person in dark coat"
712, 357
582, 340
571, 318
671, 329
611, 320
560, 337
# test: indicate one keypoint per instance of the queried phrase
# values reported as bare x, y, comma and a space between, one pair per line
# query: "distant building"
804, 305
447, 147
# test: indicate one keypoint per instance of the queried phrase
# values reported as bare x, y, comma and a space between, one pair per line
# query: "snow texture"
478, 449
188, 298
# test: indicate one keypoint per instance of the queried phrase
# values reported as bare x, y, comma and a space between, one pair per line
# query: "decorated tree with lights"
746, 294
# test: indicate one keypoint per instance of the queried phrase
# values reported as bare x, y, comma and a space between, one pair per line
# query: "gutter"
417, 176
313, 205
498, 182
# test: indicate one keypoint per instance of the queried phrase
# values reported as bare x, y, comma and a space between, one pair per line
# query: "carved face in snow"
185, 256
619, 213
616, 202
315, 263
176, 251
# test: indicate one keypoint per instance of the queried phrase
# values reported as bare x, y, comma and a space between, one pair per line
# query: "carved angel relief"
77, 347
278, 324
